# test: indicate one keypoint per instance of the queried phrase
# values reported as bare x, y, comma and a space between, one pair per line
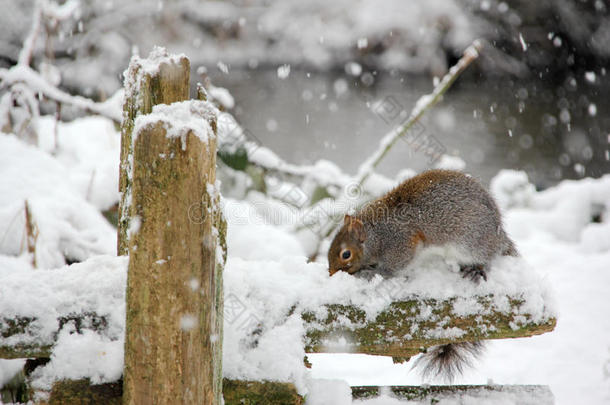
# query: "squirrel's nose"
331, 271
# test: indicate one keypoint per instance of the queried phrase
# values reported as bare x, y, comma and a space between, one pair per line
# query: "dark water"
553, 131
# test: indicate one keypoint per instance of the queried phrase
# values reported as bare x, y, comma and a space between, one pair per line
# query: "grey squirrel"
434, 208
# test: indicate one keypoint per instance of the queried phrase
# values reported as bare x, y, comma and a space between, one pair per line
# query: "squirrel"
434, 208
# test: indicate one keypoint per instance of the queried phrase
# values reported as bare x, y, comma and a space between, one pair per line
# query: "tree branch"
423, 104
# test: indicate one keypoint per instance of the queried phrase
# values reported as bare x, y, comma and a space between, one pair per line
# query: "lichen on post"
174, 234
399, 332
159, 79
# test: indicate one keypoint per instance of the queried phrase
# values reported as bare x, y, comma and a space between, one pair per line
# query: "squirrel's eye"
346, 254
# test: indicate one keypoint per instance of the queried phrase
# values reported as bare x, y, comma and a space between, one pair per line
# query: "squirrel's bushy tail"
449, 360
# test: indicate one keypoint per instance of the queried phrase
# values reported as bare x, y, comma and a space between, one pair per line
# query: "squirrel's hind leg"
475, 272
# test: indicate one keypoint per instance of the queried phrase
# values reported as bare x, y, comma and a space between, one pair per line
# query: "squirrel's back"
443, 207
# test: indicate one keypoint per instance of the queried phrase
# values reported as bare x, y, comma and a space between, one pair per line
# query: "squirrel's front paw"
475, 272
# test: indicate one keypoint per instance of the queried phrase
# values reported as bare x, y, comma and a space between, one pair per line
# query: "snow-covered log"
400, 332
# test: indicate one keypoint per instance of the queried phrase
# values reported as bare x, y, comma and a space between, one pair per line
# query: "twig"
25, 56
31, 233
423, 104
33, 80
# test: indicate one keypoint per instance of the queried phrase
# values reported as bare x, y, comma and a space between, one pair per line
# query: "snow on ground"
69, 226
554, 232
267, 274
96, 285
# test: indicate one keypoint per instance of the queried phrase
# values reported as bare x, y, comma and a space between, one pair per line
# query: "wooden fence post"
159, 79
172, 229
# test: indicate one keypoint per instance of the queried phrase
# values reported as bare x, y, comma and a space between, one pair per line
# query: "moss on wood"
81, 392
235, 392
28, 327
174, 283
402, 331
144, 90
260, 393
434, 393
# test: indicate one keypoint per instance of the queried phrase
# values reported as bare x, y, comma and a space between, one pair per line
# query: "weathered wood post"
159, 79
173, 230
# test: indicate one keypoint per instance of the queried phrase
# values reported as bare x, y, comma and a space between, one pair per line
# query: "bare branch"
24, 74
423, 104
25, 56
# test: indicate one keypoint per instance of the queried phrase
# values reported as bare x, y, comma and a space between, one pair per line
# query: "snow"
79, 355
37, 84
523, 43
89, 147
269, 281
248, 228
222, 96
94, 286
511, 189
69, 227
489, 395
222, 67
448, 162
179, 119
353, 68
574, 359
283, 71
8, 368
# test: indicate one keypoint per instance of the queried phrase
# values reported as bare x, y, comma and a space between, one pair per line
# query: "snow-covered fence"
174, 233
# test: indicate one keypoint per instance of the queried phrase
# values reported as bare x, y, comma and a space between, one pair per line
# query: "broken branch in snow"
421, 106
25, 56
31, 233
387, 142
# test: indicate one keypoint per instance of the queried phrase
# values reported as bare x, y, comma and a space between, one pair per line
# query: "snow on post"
172, 228
159, 79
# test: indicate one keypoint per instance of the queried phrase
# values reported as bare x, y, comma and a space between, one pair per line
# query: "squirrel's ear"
347, 219
354, 225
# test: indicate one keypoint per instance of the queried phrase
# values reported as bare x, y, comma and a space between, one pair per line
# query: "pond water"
552, 131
